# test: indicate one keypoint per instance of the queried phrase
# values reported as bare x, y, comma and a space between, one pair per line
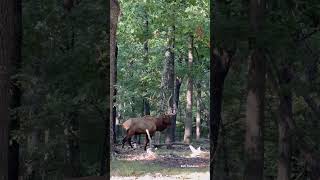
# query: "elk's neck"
160, 125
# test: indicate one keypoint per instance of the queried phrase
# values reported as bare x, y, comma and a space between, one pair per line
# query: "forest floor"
160, 164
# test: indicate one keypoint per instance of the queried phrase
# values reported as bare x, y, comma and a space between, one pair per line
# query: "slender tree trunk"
115, 11
146, 105
146, 38
111, 39
188, 120
168, 81
176, 106
6, 54
73, 135
16, 97
33, 144
285, 110
198, 116
114, 108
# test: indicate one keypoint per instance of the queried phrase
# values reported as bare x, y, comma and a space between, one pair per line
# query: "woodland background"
264, 72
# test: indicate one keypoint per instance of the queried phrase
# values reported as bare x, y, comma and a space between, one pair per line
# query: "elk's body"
136, 126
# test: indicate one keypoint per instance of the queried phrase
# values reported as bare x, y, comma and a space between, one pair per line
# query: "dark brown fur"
136, 126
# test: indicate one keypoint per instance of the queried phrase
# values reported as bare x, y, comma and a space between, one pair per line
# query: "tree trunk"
146, 38
114, 108
255, 117
111, 39
73, 165
6, 54
146, 105
73, 135
176, 106
219, 65
217, 76
115, 11
254, 145
188, 120
33, 144
198, 117
225, 154
168, 82
285, 110
16, 96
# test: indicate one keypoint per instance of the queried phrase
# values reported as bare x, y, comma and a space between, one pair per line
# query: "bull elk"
136, 126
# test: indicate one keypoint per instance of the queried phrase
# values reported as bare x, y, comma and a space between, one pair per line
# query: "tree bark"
285, 110
115, 11
307, 151
176, 106
225, 153
254, 147
146, 105
146, 38
198, 116
114, 108
168, 81
254, 144
188, 119
16, 93
111, 39
73, 165
219, 65
73, 135
6, 55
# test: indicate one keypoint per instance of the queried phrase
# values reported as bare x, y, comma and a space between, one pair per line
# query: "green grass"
137, 168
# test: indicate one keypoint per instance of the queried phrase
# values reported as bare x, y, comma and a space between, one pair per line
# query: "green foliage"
138, 78
61, 75
289, 36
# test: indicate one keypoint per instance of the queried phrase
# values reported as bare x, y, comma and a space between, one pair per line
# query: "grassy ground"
176, 162
137, 168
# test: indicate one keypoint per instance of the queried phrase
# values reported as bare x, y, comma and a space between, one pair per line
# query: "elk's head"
167, 117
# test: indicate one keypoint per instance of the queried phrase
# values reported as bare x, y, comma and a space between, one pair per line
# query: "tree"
167, 82
189, 118
285, 109
7, 32
16, 93
254, 146
198, 116
114, 14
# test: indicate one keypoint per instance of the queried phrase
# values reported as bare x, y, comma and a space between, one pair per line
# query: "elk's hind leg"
129, 141
146, 142
124, 140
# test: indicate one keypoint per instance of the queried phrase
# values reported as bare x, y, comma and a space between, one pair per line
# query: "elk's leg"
146, 142
129, 141
124, 140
